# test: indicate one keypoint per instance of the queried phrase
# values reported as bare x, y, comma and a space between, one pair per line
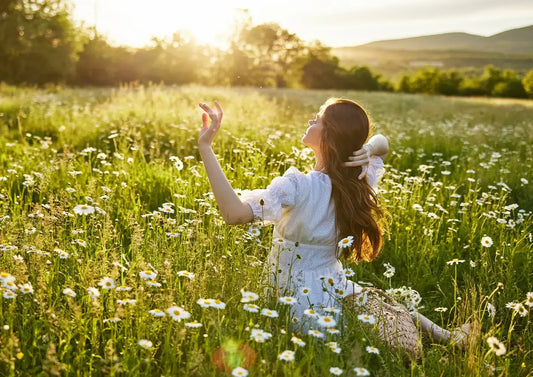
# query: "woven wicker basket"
394, 324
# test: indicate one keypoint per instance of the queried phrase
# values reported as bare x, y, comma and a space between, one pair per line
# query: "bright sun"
135, 22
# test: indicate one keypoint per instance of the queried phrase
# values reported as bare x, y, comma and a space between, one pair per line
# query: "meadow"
114, 260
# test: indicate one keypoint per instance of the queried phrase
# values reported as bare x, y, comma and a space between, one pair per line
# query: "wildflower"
157, 313
286, 356
186, 274
82, 243
361, 299
254, 231
441, 309
239, 372
152, 283
521, 309
333, 331
217, 304
367, 318
148, 274
9, 294
178, 313
361, 372
204, 303
390, 270
123, 288
146, 344
83, 209
472, 264
511, 305
455, 261
529, 299
107, 283
304, 291
269, 313
332, 309
326, 321
345, 242
260, 336
252, 308
371, 349
315, 333
4, 276
297, 341
93, 292
26, 288
194, 324
348, 272
69, 292
311, 313
127, 301
9, 284
248, 296
287, 300
336, 371
486, 241
496, 346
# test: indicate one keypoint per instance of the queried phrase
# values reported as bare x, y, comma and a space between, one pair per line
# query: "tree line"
39, 44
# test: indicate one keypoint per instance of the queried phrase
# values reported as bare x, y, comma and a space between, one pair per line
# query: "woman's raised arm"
232, 209
378, 145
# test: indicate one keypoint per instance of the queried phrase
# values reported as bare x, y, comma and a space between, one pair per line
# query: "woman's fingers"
363, 172
219, 111
205, 121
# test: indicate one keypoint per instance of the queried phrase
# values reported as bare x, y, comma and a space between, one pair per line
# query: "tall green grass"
459, 170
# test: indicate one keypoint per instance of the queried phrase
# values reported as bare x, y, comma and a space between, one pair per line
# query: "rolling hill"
511, 49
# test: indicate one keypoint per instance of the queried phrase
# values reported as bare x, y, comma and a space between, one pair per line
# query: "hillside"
511, 49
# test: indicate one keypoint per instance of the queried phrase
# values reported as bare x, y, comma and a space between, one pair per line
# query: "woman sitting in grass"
319, 217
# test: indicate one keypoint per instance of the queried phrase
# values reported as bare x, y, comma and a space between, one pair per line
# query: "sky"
335, 23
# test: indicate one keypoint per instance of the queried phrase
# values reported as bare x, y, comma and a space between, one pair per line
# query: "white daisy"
248, 296
239, 372
93, 292
260, 336
496, 346
315, 333
217, 304
269, 313
371, 349
345, 242
204, 302
326, 321
311, 313
148, 274
297, 341
178, 313
529, 299
107, 283
335, 371
146, 344
361, 372
348, 272
288, 300
367, 318
486, 241
156, 313
304, 291
83, 209
252, 308
186, 274
26, 288
286, 356
69, 292
9, 294
193, 325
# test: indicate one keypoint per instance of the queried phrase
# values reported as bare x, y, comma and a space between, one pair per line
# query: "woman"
316, 214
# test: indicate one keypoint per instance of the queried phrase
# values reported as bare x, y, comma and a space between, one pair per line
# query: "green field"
459, 172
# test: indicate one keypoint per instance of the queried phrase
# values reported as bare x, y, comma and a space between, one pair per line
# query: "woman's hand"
360, 157
208, 133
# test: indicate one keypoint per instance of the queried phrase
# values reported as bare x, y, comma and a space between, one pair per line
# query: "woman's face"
313, 133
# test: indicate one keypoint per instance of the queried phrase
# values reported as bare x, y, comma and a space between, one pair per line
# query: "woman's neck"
319, 164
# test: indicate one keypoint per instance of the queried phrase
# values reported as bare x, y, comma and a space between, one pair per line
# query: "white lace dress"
303, 262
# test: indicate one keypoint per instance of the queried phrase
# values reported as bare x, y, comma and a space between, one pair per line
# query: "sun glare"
135, 22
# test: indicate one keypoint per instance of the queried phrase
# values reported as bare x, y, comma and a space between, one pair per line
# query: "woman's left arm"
232, 209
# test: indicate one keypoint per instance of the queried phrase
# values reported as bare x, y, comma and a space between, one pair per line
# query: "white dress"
303, 262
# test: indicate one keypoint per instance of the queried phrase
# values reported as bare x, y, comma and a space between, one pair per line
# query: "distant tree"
512, 89
448, 83
38, 41
403, 84
319, 69
425, 80
527, 82
360, 78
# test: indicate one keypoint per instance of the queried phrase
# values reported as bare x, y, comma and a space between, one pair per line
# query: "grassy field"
88, 294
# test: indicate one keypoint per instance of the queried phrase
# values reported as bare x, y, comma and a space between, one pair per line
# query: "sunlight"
134, 23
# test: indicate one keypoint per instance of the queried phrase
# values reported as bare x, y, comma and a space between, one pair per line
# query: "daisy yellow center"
207, 302
108, 283
327, 319
345, 241
4, 274
177, 312
306, 291
84, 207
217, 301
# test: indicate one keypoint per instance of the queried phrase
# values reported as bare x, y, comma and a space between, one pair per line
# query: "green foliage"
38, 41
467, 164
527, 82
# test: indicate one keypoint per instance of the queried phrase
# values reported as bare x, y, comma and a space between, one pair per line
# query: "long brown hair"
345, 128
